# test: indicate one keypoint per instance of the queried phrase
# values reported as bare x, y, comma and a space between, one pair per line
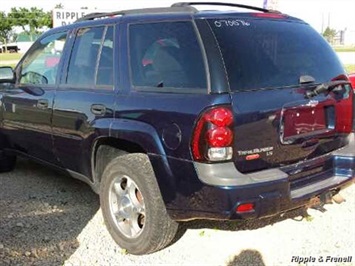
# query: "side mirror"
7, 75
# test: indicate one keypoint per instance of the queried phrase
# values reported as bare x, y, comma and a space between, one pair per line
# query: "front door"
28, 106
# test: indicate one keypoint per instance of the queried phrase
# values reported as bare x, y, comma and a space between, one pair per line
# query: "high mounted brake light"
213, 135
269, 15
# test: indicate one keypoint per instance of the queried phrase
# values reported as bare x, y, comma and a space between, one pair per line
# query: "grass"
344, 48
350, 68
13, 57
11, 65
10, 56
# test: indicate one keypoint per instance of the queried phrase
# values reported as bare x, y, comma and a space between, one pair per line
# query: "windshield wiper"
324, 87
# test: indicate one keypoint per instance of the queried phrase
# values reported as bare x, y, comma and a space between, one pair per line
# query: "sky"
338, 14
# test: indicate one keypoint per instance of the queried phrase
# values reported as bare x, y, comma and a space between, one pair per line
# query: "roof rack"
172, 9
185, 4
180, 7
92, 16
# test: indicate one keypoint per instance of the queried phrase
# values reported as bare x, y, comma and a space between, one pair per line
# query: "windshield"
261, 53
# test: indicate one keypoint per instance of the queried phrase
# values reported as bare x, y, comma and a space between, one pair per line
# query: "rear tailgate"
275, 123
279, 127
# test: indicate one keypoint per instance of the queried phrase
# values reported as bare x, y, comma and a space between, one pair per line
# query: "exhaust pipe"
337, 198
328, 197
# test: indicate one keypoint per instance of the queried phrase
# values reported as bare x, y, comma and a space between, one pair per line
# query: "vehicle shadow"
239, 225
246, 258
41, 214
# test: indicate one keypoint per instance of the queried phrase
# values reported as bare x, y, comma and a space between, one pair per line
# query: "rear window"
272, 53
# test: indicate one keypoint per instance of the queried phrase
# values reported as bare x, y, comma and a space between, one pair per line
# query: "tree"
329, 34
5, 29
30, 20
59, 6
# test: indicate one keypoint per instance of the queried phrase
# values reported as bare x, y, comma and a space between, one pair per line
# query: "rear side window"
268, 53
91, 60
166, 55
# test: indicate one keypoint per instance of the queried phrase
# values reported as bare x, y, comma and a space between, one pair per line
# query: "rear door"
84, 102
28, 106
268, 61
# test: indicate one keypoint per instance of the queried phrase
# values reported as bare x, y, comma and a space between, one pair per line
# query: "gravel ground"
41, 214
47, 218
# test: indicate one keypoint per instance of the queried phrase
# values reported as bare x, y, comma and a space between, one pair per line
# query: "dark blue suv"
173, 114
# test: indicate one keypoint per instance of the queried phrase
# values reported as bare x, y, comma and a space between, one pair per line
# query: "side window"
40, 67
91, 60
166, 54
105, 68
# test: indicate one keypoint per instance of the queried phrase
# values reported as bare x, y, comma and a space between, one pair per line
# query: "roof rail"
184, 4
92, 16
173, 9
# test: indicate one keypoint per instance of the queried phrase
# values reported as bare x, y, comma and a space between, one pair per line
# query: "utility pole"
271, 4
322, 23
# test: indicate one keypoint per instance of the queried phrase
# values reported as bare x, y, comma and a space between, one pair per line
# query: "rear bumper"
273, 191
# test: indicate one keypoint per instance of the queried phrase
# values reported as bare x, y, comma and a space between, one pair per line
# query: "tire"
7, 162
132, 206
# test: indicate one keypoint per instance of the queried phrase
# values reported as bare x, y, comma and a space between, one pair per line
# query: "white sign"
62, 17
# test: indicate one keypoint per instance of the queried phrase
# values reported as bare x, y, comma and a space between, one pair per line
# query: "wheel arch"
105, 149
127, 136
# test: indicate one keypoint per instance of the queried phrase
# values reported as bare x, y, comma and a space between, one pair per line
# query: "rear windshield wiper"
324, 87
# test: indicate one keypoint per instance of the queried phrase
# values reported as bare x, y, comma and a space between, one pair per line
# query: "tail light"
213, 135
345, 109
352, 80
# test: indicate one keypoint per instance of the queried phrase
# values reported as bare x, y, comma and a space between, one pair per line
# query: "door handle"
98, 109
42, 104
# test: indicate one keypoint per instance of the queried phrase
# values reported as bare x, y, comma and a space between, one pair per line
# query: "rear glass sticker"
231, 23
